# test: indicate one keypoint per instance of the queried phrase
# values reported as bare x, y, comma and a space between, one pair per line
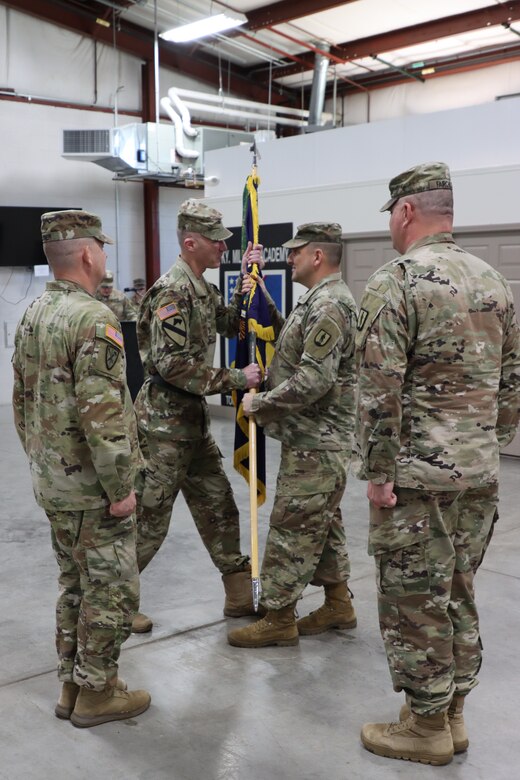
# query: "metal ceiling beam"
462, 63
139, 42
420, 33
287, 10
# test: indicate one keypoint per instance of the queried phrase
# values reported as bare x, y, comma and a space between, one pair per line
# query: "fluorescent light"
207, 26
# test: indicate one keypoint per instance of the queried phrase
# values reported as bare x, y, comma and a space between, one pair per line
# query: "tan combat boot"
337, 612
278, 627
426, 739
141, 623
455, 722
69, 694
95, 707
239, 597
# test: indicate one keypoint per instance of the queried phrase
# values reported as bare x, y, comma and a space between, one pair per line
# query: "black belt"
156, 379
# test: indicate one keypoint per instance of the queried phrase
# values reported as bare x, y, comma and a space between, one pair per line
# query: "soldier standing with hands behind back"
75, 420
179, 318
439, 375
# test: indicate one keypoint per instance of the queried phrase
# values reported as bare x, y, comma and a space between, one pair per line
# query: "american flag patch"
114, 335
167, 311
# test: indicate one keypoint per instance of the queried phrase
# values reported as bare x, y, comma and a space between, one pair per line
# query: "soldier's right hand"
253, 254
125, 507
253, 374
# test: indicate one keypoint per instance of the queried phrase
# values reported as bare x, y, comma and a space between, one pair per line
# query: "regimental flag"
255, 338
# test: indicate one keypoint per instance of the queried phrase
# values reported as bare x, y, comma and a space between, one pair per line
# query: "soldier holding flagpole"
177, 325
309, 407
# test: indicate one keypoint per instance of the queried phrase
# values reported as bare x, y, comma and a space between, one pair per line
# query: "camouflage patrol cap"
107, 280
139, 284
197, 217
421, 178
72, 223
321, 232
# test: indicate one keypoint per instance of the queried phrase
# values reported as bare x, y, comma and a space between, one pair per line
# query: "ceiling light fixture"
207, 26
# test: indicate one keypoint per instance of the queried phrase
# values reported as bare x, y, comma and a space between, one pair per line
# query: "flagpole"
253, 497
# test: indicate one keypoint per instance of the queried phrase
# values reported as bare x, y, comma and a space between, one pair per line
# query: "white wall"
439, 93
343, 174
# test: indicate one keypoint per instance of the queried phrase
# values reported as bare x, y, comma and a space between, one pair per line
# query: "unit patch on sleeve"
173, 324
322, 339
109, 348
362, 318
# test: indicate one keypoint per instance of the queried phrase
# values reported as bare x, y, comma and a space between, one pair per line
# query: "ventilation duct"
319, 84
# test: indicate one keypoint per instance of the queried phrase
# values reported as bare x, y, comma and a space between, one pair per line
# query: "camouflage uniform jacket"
72, 409
439, 369
309, 404
178, 321
122, 306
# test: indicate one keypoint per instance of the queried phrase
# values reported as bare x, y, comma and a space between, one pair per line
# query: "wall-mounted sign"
276, 273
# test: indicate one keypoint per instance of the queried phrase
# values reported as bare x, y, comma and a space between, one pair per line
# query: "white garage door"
363, 255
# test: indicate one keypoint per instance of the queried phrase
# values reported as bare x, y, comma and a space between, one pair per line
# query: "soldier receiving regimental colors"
308, 406
75, 420
439, 389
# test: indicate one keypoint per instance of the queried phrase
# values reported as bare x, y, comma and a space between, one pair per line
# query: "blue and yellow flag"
254, 342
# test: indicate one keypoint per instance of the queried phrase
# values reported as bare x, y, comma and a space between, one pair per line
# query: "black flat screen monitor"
20, 235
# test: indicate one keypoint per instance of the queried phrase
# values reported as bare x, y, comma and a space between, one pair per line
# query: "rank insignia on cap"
167, 311
114, 335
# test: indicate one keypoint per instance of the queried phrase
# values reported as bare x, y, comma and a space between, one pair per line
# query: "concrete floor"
221, 713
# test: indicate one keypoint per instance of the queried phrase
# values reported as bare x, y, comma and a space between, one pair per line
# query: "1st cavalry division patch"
173, 324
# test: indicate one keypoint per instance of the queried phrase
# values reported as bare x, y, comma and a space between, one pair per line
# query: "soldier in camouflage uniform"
309, 407
439, 362
75, 420
139, 291
123, 307
179, 318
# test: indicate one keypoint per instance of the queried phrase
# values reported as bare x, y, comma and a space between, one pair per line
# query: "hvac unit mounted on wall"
149, 150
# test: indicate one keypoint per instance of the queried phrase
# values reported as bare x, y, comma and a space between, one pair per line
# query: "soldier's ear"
189, 243
408, 212
87, 259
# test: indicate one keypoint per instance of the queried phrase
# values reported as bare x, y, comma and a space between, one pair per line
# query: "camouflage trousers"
194, 468
306, 541
427, 551
99, 593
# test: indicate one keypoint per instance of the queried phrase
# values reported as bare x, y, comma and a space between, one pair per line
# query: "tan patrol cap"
321, 232
72, 223
197, 217
107, 280
421, 178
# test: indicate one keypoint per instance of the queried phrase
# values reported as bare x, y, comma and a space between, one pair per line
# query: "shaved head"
62, 255
331, 251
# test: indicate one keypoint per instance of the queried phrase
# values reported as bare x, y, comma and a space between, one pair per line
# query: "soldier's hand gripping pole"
253, 498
